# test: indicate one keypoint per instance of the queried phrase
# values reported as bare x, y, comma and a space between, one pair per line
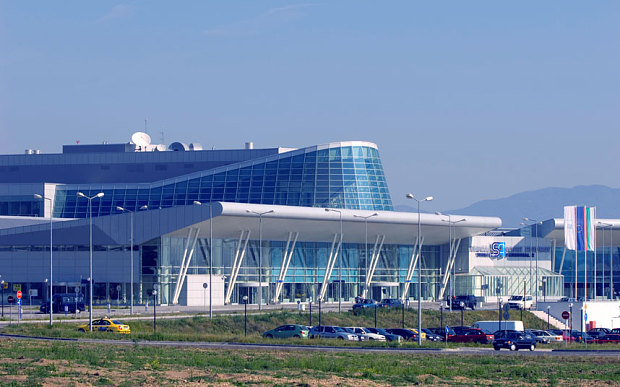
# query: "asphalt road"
281, 347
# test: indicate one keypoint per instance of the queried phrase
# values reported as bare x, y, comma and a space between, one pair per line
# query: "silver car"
365, 334
332, 332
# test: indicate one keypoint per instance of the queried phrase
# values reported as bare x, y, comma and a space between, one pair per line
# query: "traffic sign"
19, 301
10, 299
565, 315
506, 307
19, 294
585, 316
506, 315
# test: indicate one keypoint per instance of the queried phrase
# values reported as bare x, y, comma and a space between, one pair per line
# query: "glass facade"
605, 263
348, 177
306, 271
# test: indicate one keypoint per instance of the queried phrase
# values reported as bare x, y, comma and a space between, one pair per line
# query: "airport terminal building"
275, 224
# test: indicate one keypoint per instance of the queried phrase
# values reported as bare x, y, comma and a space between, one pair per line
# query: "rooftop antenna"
145, 128
162, 137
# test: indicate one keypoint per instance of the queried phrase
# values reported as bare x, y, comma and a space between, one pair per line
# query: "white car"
517, 302
366, 334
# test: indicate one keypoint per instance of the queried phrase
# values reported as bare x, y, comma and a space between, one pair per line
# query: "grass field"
231, 327
24, 363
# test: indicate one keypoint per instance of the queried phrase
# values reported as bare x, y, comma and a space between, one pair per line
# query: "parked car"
562, 332
430, 336
331, 332
581, 337
555, 338
542, 337
368, 335
514, 340
518, 302
391, 303
609, 339
365, 303
472, 336
615, 331
492, 326
406, 334
597, 333
59, 301
463, 302
442, 332
106, 325
460, 329
287, 331
388, 336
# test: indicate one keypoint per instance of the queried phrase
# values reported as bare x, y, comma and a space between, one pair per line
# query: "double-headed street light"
339, 260
366, 244
260, 253
452, 270
90, 278
144, 207
426, 199
51, 248
536, 222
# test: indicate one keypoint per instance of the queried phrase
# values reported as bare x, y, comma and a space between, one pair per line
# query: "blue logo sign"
19, 301
585, 316
498, 250
447, 329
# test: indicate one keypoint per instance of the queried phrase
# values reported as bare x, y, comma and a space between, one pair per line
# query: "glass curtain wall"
306, 270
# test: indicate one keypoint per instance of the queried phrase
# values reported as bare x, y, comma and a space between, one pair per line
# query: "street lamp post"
155, 287
366, 244
38, 196
426, 199
144, 207
548, 315
2, 285
536, 222
260, 254
90, 279
453, 273
245, 315
310, 307
339, 260
611, 259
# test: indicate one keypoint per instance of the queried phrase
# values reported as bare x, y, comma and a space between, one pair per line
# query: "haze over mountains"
542, 204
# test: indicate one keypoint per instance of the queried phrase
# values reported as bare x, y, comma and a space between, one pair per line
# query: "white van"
492, 326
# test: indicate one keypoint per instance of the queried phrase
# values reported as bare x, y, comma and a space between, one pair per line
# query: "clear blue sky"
467, 100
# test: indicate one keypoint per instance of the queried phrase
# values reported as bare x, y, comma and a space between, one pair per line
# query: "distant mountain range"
542, 204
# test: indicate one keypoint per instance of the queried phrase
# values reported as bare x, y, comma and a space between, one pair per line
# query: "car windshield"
338, 329
516, 298
116, 322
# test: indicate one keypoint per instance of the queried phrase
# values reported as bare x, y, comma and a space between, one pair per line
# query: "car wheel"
81, 330
532, 347
473, 307
340, 338
297, 337
513, 347
269, 336
495, 347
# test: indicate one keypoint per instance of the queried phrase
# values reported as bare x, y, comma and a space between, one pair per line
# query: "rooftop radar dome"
141, 139
178, 147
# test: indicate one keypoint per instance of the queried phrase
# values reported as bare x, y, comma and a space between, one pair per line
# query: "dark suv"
462, 302
514, 340
390, 303
60, 301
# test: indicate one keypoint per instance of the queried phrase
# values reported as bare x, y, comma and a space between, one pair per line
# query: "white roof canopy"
319, 225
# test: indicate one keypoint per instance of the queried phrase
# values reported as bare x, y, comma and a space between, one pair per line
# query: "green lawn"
64, 363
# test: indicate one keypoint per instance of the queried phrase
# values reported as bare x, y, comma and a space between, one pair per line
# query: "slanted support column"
187, 258
415, 255
451, 259
286, 260
333, 254
242, 245
376, 252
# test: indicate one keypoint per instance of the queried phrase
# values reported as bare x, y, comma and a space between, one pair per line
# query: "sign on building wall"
498, 250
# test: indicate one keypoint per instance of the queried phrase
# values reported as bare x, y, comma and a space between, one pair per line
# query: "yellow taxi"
416, 332
106, 325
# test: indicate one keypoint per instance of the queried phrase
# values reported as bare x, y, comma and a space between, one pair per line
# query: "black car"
462, 302
514, 340
60, 301
432, 336
388, 336
364, 303
391, 303
442, 332
406, 334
